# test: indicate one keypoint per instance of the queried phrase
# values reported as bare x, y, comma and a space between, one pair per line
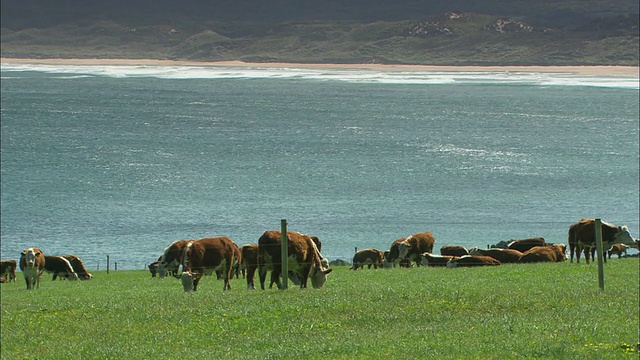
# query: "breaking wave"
354, 76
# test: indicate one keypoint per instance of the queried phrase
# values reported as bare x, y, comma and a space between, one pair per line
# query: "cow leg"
275, 277
196, 280
228, 273
572, 249
587, 253
262, 272
251, 273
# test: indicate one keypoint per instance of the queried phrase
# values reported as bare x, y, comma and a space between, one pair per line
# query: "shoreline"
601, 70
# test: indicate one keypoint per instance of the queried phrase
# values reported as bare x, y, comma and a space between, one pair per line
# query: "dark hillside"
516, 32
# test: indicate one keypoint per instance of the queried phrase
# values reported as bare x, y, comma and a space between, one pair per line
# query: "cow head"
403, 249
319, 274
187, 281
30, 256
624, 236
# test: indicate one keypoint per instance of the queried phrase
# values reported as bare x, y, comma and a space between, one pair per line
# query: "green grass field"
533, 311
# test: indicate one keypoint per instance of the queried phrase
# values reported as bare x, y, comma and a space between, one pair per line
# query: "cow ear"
24, 252
327, 271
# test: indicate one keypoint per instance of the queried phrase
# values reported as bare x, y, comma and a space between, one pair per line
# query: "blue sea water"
122, 161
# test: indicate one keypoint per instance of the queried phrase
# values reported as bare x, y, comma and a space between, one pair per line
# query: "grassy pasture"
543, 311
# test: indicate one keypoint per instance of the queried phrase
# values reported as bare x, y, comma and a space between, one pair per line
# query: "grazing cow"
305, 260
386, 264
472, 260
78, 267
59, 266
8, 270
171, 258
454, 250
206, 256
367, 257
526, 244
505, 256
416, 245
585, 237
32, 266
429, 259
551, 253
616, 249
250, 262
392, 256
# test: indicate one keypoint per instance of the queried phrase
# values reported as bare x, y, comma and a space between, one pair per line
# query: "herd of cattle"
305, 261
33, 263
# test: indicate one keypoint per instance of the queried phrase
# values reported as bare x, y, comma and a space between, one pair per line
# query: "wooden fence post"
600, 250
285, 254
107, 264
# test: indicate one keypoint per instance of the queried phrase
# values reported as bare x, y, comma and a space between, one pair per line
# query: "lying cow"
206, 256
171, 258
616, 249
304, 259
472, 260
505, 256
412, 247
367, 257
454, 250
32, 266
8, 270
551, 253
78, 267
59, 266
526, 244
429, 259
585, 238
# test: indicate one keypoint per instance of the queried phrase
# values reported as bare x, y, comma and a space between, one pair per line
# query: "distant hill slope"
491, 32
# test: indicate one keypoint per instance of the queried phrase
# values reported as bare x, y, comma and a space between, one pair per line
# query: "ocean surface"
120, 161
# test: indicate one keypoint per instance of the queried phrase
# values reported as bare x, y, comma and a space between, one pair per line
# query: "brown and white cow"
472, 260
8, 270
454, 250
429, 259
32, 266
392, 256
416, 245
305, 260
78, 267
206, 256
551, 253
616, 249
505, 256
172, 258
59, 266
367, 257
585, 237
